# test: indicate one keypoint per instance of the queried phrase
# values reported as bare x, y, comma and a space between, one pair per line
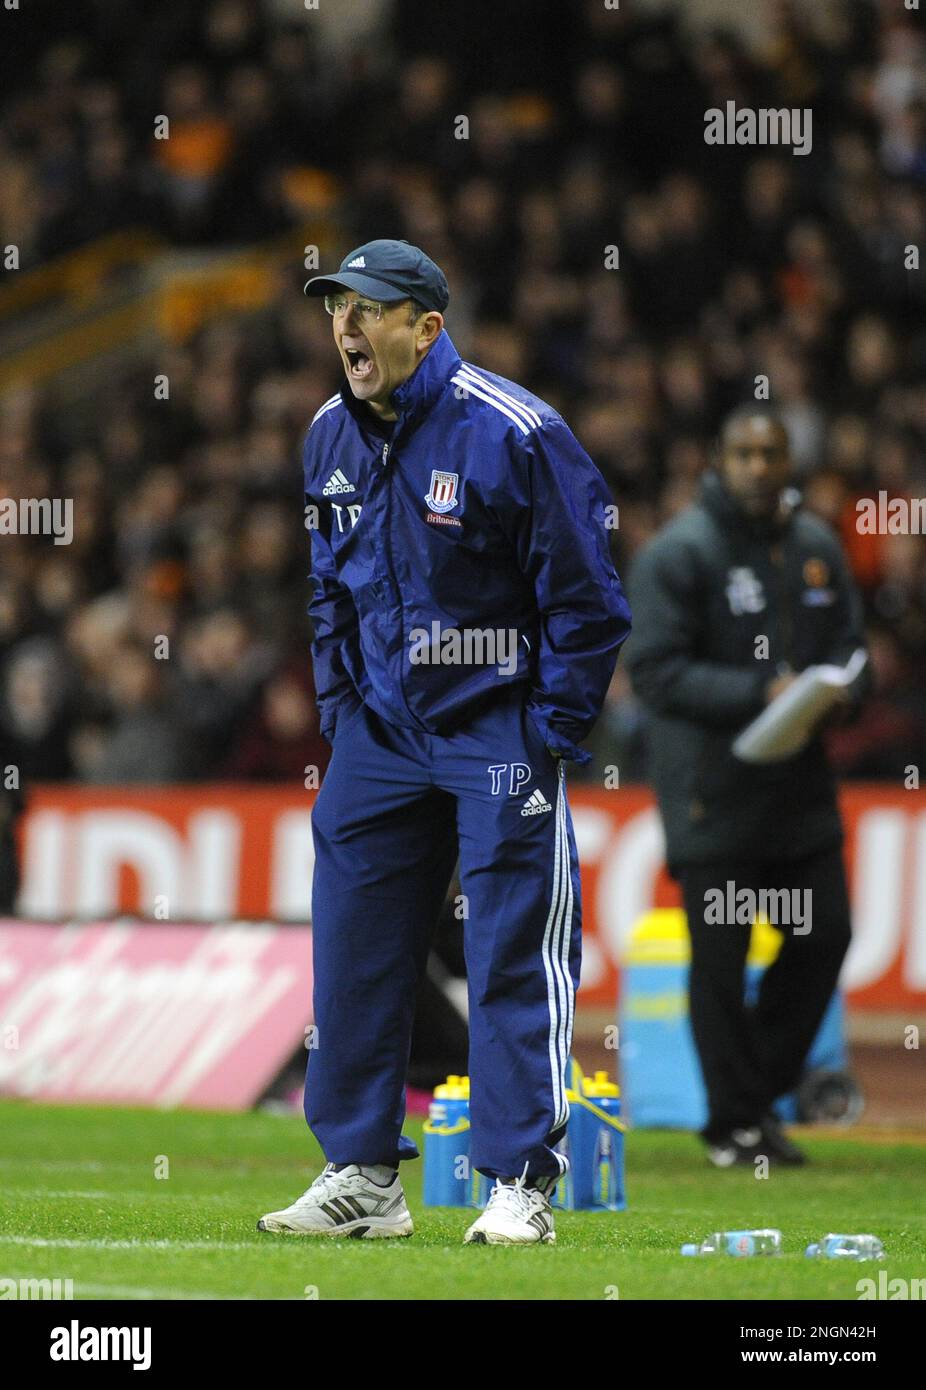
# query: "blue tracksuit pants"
393, 808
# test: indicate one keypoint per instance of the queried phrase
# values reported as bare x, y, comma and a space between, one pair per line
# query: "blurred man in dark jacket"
732, 599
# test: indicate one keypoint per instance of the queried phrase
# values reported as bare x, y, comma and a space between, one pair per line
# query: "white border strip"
528, 414
473, 390
329, 405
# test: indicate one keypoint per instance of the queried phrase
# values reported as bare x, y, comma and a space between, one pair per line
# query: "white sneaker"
515, 1215
346, 1203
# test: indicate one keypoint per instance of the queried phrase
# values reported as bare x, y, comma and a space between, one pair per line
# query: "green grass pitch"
81, 1202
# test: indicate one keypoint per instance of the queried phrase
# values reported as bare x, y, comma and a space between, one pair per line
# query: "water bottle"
593, 1146
446, 1145
607, 1166
737, 1243
840, 1247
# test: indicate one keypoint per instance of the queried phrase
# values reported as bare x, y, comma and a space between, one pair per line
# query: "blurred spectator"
598, 250
221, 669
143, 743
35, 715
281, 741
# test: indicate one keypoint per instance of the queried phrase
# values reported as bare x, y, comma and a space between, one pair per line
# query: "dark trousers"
750, 1056
394, 810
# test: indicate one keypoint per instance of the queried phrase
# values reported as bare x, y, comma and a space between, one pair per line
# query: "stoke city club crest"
442, 496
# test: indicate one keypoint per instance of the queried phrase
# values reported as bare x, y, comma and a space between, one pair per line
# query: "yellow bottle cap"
600, 1085
454, 1088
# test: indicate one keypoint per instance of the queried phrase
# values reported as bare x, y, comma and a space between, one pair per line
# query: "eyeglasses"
367, 310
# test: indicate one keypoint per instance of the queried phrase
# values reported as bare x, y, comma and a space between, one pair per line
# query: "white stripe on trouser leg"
562, 945
555, 946
554, 984
562, 811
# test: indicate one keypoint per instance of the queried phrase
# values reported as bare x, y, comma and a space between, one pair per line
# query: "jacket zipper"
392, 573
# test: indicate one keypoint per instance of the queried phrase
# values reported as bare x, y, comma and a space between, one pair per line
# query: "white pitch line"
129, 1291
12, 1192
90, 1165
111, 1193
134, 1244
82, 1289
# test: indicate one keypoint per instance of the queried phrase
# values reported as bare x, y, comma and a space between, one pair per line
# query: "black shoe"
778, 1146
738, 1146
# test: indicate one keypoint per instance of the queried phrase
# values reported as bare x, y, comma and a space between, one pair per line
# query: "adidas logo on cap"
358, 263
337, 484
536, 804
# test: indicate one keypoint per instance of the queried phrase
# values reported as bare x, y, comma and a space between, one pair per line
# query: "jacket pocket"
534, 743
345, 715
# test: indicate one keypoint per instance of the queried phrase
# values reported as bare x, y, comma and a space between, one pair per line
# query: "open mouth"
359, 364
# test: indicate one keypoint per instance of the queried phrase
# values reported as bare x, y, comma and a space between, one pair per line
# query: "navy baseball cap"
387, 270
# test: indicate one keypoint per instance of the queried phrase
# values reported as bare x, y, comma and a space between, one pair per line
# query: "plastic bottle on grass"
841, 1247
446, 1143
738, 1243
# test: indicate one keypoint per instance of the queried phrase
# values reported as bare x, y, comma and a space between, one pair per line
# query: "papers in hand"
788, 723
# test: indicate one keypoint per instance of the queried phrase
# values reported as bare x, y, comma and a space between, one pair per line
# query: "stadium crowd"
582, 138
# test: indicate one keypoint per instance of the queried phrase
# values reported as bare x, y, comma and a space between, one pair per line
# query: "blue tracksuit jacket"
478, 511
481, 512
